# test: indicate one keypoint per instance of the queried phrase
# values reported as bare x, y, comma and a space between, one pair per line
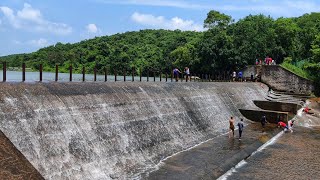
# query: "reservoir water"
16, 76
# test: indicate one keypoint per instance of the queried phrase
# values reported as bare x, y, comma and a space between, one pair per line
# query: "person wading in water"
231, 126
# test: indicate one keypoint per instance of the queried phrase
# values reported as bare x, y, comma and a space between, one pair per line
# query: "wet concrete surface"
116, 130
294, 156
212, 159
13, 165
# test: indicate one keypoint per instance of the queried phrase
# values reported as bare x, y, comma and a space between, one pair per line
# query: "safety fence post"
70, 69
23, 72
40, 71
57, 71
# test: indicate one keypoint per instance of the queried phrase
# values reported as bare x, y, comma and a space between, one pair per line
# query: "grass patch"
296, 70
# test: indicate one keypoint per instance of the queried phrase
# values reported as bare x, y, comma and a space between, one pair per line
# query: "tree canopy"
225, 45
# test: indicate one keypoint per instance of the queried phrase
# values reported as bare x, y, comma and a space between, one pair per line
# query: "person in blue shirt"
176, 73
240, 128
240, 76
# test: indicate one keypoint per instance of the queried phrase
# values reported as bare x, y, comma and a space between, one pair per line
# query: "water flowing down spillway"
115, 130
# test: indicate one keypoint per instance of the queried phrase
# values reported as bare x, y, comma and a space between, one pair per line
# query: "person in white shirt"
187, 73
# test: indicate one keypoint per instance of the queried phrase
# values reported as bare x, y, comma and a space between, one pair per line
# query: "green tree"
254, 37
216, 19
316, 49
184, 55
286, 38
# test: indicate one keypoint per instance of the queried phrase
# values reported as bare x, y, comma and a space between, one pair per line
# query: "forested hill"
225, 46
143, 49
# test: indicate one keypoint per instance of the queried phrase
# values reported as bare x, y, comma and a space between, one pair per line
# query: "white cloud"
92, 28
163, 3
162, 22
91, 31
9, 14
30, 14
35, 43
32, 20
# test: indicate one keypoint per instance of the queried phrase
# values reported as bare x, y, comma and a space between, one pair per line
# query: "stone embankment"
281, 79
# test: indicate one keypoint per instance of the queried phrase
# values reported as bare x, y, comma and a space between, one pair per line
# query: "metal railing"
150, 75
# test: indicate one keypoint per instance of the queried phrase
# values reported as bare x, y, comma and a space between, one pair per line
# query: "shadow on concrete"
272, 116
278, 106
13, 165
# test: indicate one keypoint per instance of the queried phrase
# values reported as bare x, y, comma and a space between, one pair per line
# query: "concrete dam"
116, 130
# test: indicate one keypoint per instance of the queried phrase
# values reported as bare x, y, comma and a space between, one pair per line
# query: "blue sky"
26, 26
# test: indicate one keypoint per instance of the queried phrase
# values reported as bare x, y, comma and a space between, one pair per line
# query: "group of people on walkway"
177, 72
236, 77
267, 61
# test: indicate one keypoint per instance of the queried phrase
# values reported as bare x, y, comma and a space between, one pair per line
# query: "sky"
26, 26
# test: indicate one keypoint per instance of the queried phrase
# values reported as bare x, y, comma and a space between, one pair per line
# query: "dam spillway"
115, 130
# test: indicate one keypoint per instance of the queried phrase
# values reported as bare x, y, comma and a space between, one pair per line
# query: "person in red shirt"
307, 110
283, 125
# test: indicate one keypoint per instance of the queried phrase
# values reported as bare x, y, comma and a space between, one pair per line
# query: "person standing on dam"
240, 76
176, 73
234, 75
187, 73
240, 128
231, 126
263, 121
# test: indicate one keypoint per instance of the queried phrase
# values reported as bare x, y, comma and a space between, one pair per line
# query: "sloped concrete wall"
281, 79
115, 130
